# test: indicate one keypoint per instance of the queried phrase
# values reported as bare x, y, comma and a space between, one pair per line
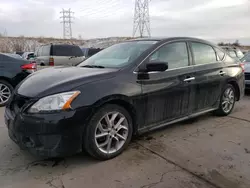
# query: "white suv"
58, 55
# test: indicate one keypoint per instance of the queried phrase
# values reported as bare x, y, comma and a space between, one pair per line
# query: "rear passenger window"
175, 54
67, 50
220, 54
76, 51
203, 53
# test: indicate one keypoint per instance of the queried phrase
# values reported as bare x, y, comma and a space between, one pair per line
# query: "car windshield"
118, 55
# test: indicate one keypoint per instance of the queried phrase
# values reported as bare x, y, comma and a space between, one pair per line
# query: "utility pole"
67, 16
141, 19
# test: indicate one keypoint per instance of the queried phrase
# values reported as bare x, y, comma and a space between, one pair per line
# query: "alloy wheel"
111, 132
228, 100
5, 93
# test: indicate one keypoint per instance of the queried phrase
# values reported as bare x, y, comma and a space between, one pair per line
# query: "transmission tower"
141, 19
67, 16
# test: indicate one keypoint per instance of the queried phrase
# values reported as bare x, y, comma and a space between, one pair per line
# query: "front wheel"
108, 132
227, 101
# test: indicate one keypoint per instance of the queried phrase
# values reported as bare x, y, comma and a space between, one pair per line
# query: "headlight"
61, 101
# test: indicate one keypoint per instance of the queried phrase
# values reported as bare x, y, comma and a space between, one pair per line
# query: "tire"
5, 88
221, 110
96, 146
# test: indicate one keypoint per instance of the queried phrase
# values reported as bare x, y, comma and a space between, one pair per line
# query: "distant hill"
12, 44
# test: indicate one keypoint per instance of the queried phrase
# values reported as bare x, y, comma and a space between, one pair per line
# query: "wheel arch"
236, 87
6, 79
122, 101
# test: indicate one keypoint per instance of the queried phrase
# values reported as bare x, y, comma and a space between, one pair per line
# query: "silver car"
246, 61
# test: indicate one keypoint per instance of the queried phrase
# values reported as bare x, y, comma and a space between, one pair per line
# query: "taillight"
31, 67
242, 66
51, 61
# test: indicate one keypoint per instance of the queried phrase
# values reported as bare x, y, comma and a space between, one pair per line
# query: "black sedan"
12, 71
125, 90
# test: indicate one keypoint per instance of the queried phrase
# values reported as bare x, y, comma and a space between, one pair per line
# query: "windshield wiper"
94, 66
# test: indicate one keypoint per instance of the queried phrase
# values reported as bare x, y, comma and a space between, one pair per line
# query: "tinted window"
175, 54
203, 53
93, 51
220, 54
66, 50
31, 55
45, 51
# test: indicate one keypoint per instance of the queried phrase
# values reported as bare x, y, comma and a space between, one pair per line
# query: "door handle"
189, 79
222, 73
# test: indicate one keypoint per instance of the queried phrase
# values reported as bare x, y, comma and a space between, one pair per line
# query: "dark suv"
124, 90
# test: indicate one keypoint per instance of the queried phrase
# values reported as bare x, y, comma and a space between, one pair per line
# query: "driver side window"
174, 54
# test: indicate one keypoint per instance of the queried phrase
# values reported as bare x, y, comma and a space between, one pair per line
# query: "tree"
236, 43
221, 44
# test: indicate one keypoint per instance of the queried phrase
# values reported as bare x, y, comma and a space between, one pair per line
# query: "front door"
210, 76
167, 94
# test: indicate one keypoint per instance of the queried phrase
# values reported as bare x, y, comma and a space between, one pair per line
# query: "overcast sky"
220, 19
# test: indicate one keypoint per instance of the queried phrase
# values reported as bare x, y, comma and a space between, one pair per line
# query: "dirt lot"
209, 152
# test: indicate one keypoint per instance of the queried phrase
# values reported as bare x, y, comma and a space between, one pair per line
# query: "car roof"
161, 39
230, 47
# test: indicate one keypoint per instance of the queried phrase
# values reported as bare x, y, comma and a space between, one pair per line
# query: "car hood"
55, 80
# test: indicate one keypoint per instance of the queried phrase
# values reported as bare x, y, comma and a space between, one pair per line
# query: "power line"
141, 19
67, 16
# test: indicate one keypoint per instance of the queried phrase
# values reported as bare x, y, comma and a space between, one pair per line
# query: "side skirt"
154, 127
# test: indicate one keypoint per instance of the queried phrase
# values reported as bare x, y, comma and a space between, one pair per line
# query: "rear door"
167, 94
210, 76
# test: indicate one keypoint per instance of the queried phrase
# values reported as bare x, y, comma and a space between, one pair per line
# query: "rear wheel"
5, 92
227, 101
108, 132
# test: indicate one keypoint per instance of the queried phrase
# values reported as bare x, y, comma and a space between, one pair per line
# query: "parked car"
88, 52
246, 61
19, 53
245, 51
59, 55
124, 90
234, 52
12, 72
28, 55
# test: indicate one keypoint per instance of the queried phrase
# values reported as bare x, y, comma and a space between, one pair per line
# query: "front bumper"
47, 135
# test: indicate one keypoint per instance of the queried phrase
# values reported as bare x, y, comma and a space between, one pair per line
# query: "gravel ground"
207, 152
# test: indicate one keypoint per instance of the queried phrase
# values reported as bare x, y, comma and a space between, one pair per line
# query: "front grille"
247, 76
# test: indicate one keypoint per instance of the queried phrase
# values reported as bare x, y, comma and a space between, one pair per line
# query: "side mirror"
156, 66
